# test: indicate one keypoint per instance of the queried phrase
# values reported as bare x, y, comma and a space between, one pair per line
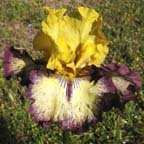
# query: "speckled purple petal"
135, 78
75, 104
51, 103
71, 125
34, 76
108, 84
125, 82
123, 71
119, 68
12, 62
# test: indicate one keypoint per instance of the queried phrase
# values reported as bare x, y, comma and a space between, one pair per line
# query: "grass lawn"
123, 26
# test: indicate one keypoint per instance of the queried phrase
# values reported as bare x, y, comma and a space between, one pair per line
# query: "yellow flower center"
72, 44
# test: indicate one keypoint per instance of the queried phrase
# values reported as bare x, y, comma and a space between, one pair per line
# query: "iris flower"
71, 87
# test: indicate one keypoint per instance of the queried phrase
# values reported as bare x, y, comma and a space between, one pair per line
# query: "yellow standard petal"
72, 43
88, 16
50, 26
43, 42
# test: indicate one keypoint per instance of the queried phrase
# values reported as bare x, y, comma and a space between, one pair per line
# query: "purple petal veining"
51, 103
125, 81
78, 103
11, 64
123, 71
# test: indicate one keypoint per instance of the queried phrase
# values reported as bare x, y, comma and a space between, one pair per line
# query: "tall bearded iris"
70, 86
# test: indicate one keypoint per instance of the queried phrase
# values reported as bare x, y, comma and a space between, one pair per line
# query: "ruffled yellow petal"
88, 16
69, 33
57, 12
68, 39
50, 25
99, 56
55, 64
85, 51
43, 42
66, 43
74, 42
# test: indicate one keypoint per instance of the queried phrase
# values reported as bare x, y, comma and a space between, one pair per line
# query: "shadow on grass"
5, 136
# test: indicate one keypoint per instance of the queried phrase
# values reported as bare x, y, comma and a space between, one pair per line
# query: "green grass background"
123, 26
